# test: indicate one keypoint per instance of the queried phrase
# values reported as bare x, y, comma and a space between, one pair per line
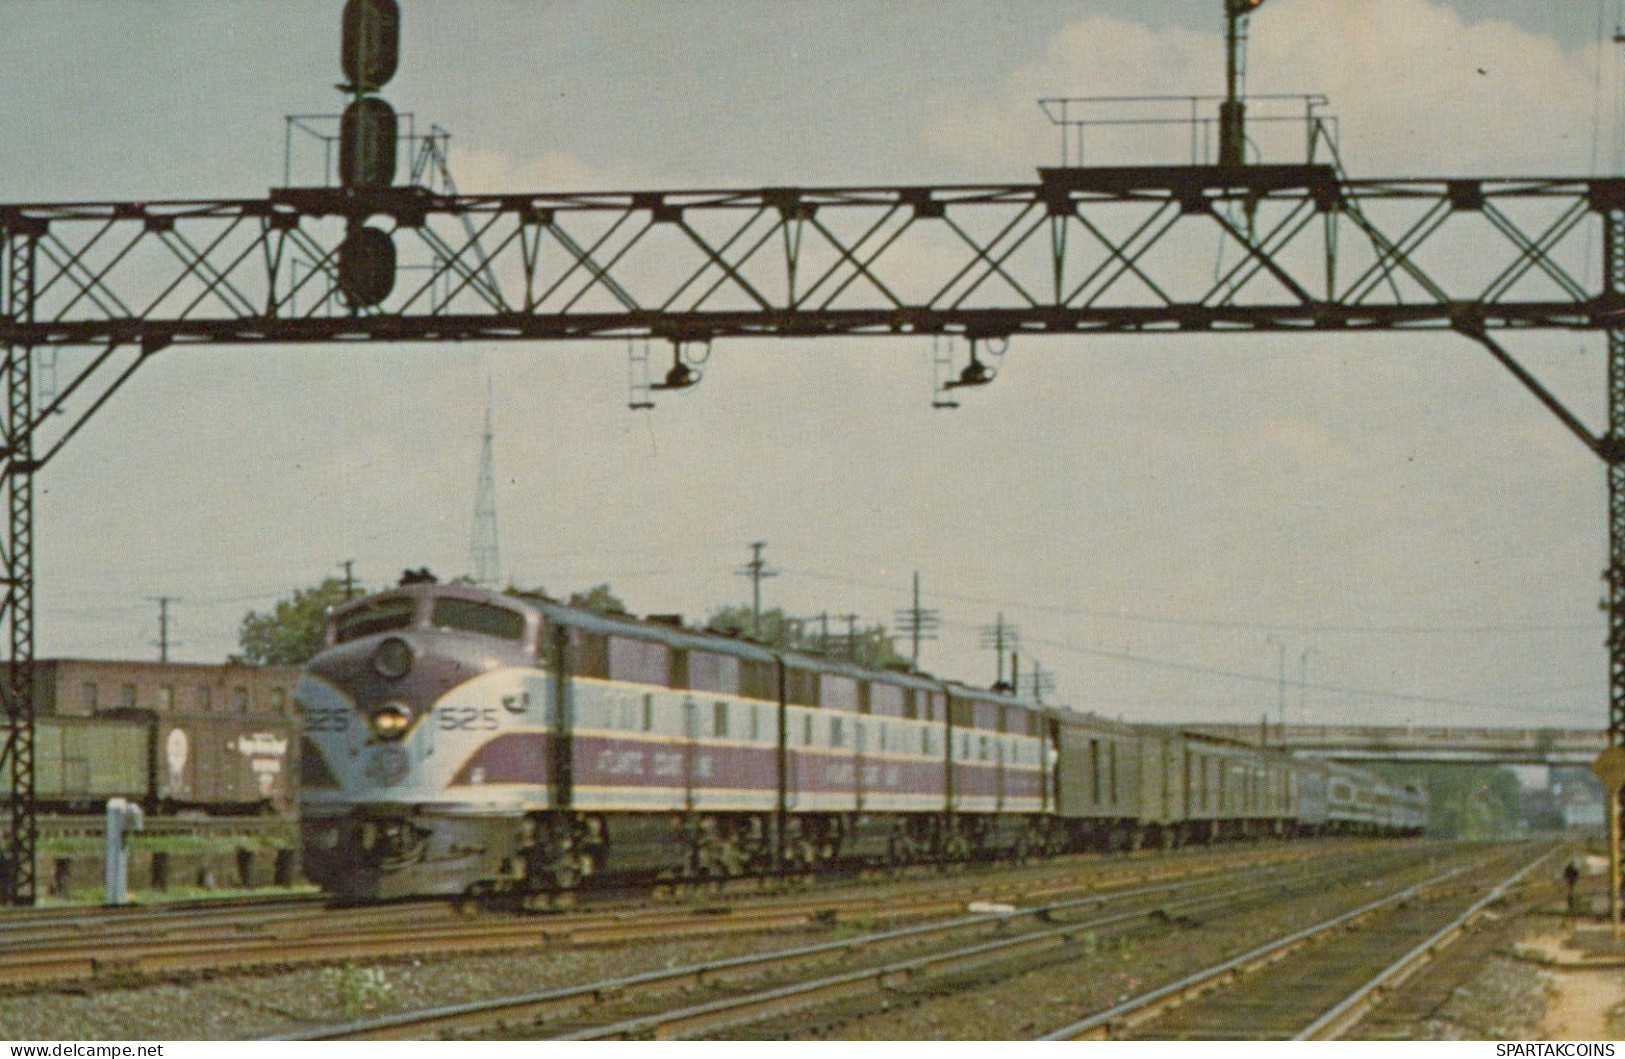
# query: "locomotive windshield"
372, 616
470, 615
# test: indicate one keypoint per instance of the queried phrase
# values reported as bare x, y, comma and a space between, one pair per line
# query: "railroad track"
1311, 984
125, 944
642, 1005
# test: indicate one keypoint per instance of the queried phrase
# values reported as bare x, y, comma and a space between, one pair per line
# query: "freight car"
463, 741
214, 740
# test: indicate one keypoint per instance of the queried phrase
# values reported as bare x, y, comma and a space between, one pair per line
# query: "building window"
239, 699
279, 701
126, 696
719, 720
837, 734
648, 712
90, 694
166, 698
203, 697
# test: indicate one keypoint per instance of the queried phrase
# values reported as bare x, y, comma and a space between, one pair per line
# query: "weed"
357, 991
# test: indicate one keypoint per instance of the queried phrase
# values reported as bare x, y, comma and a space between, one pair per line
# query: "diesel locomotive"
461, 741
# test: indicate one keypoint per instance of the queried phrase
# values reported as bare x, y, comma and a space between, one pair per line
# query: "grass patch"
93, 895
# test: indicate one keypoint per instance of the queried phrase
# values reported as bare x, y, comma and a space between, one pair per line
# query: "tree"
867, 646
598, 599
294, 631
1464, 801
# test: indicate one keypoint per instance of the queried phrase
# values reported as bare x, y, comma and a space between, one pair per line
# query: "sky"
1173, 523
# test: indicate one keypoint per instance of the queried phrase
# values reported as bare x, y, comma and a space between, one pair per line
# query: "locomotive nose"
392, 658
393, 678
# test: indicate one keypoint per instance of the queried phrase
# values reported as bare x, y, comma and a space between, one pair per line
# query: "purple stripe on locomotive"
513, 757
836, 773
608, 761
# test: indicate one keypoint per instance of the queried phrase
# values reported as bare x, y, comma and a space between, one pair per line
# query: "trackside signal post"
1077, 252
1609, 768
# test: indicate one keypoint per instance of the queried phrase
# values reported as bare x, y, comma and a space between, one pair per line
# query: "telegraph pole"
1303, 686
163, 625
1000, 636
918, 623
1280, 679
1042, 682
349, 579
756, 570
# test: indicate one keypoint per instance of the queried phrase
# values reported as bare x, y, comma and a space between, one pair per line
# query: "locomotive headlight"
393, 658
391, 721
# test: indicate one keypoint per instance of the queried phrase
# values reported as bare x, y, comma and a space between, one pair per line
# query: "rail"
1340, 1019
509, 1011
1144, 1008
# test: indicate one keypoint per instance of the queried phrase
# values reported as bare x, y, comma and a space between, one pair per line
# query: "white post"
122, 818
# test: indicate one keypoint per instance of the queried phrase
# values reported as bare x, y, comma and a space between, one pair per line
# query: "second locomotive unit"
465, 741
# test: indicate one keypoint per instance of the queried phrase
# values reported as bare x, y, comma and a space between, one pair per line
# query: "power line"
1152, 619
1254, 678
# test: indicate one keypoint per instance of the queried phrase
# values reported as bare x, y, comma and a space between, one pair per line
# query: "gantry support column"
1613, 451
20, 834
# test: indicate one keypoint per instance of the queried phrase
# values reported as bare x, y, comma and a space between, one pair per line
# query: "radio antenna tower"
487, 565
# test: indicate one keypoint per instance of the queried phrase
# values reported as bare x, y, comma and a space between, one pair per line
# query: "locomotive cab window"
373, 616
471, 615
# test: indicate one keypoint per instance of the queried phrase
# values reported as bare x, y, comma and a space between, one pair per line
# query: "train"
176, 739
460, 741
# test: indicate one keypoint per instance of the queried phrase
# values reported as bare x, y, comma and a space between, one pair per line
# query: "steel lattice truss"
1268, 247
1082, 251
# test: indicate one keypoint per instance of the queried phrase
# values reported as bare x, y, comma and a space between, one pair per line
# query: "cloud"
480, 170
1416, 90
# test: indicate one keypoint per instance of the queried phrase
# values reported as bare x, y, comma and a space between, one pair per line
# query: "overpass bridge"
1500, 746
